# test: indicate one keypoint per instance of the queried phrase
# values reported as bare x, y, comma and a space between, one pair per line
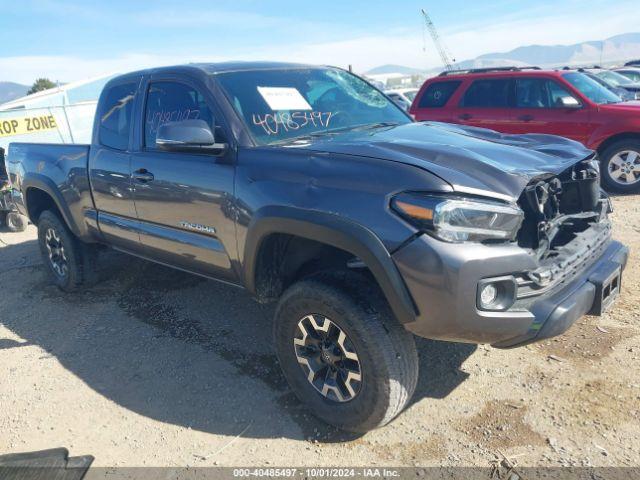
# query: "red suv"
563, 102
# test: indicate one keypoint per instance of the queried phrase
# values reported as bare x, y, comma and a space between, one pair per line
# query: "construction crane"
442, 50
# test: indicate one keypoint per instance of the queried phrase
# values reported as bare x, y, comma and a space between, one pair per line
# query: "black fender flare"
45, 184
337, 232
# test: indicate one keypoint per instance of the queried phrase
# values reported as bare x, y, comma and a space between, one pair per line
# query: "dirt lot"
156, 367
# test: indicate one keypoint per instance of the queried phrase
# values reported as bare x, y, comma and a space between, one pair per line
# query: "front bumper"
443, 278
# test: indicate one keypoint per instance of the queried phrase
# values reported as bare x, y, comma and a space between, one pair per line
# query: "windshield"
614, 78
279, 105
591, 89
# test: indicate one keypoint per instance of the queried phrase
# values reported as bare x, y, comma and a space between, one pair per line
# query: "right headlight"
459, 219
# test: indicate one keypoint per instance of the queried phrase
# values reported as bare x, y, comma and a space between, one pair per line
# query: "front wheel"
621, 166
343, 353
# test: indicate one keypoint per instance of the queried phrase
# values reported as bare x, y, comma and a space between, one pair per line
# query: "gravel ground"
156, 367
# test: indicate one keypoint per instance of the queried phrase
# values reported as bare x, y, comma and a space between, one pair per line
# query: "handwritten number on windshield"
282, 122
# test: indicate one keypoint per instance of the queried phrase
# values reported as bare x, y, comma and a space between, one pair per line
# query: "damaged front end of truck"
566, 225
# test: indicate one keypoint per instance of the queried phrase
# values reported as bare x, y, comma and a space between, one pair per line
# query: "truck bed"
60, 170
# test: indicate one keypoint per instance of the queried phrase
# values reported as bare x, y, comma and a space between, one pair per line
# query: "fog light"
488, 295
496, 294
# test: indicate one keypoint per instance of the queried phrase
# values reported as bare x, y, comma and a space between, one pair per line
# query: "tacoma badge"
197, 227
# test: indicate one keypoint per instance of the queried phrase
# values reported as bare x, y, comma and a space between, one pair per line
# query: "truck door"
110, 164
183, 199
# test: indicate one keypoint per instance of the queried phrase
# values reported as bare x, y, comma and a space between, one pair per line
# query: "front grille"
567, 261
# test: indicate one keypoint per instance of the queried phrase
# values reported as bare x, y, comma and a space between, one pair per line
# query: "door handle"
142, 175
525, 118
465, 116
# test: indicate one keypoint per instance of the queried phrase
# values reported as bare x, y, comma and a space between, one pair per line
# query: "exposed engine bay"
565, 223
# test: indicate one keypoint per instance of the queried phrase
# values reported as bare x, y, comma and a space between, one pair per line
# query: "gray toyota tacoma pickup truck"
307, 186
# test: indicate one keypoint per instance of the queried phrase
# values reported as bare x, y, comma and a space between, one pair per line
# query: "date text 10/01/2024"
280, 122
317, 472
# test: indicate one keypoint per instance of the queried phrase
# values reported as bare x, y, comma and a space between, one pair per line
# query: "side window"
539, 93
172, 102
115, 116
556, 93
487, 94
532, 93
438, 94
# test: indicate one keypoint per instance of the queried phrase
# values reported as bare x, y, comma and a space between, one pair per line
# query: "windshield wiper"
371, 126
335, 131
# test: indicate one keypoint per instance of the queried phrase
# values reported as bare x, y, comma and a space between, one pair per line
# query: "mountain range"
612, 50
10, 91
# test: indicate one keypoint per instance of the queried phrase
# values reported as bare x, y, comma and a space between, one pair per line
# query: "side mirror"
569, 102
188, 136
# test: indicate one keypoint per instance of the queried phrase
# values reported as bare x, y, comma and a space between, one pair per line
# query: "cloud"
25, 69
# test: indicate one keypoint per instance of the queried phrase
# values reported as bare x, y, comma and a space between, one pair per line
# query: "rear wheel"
70, 263
343, 353
621, 166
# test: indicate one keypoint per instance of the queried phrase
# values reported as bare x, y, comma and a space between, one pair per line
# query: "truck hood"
472, 160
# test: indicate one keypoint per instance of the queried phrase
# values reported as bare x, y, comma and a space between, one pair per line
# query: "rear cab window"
438, 94
115, 115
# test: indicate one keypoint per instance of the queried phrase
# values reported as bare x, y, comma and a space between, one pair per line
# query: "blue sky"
69, 40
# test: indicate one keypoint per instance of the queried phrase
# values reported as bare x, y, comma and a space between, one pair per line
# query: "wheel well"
616, 138
284, 258
37, 202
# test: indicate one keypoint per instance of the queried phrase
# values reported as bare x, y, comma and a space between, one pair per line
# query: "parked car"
307, 186
402, 96
632, 73
566, 103
617, 80
615, 87
633, 63
625, 95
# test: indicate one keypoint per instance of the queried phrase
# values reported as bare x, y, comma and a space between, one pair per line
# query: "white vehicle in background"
616, 79
403, 97
632, 73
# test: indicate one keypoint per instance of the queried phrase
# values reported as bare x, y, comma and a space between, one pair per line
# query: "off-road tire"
16, 222
607, 155
80, 257
386, 351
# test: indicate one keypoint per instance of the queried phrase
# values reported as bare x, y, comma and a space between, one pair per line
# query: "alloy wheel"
57, 255
624, 167
328, 358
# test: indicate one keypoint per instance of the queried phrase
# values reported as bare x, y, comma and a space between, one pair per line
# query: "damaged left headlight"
457, 219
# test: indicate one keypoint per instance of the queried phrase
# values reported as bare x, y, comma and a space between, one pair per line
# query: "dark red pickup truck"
565, 103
